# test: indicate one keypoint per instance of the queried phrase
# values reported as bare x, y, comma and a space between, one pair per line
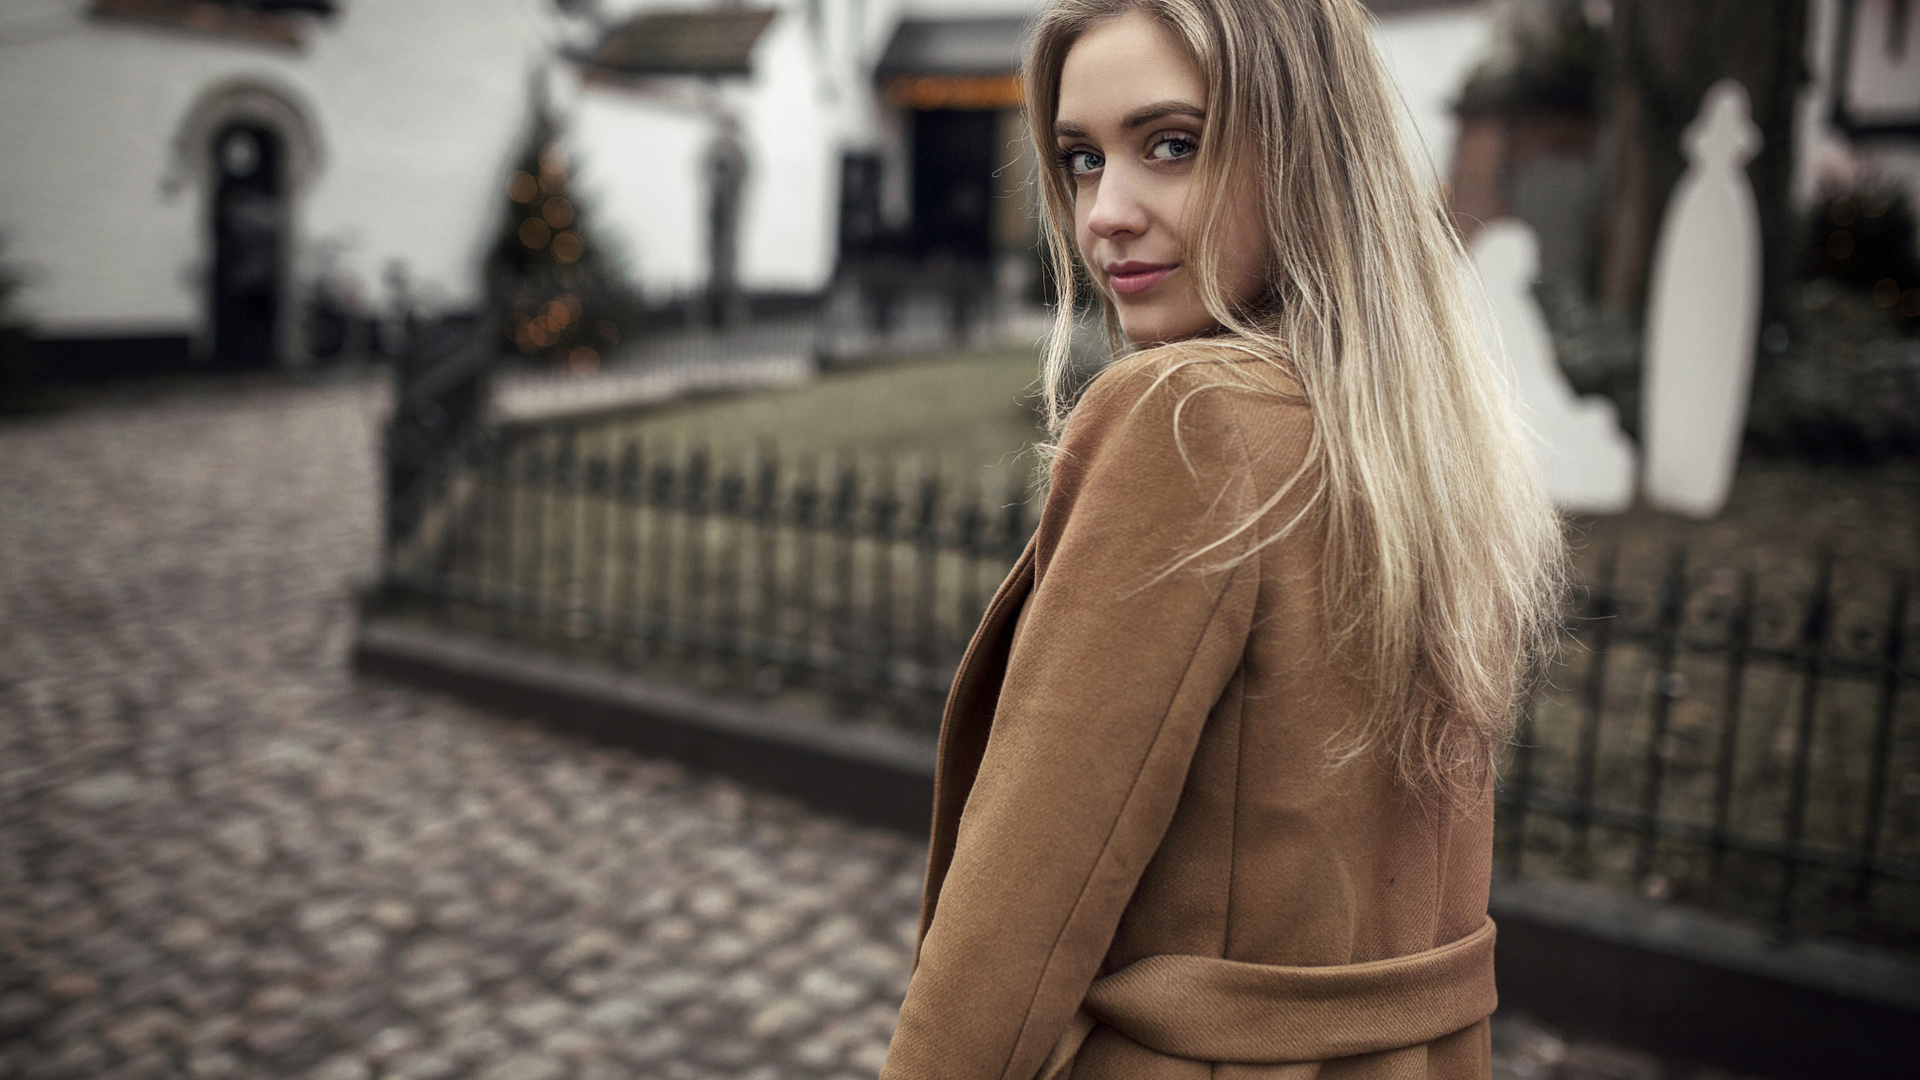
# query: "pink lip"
1131, 278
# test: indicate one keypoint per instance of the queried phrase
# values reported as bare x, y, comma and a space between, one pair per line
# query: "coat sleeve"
1110, 679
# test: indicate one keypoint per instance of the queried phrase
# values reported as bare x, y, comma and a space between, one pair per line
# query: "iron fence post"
1601, 617
1740, 635
1666, 688
1893, 652
1813, 643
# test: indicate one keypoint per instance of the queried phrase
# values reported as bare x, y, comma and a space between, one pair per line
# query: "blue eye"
1173, 148
1080, 162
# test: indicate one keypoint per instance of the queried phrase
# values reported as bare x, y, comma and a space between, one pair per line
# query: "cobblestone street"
221, 856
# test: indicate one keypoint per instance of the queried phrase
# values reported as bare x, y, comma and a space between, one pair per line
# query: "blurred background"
492, 496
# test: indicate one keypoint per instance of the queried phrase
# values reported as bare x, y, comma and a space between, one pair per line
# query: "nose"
1117, 209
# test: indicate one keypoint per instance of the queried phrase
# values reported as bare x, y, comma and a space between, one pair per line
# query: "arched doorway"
252, 149
250, 222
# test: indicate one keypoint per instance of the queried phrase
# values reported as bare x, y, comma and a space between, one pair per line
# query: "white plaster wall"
428, 101
1823, 155
416, 106
642, 155
1885, 78
788, 230
966, 9
635, 162
1429, 55
86, 114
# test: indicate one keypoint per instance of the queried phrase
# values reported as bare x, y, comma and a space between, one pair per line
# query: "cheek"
1082, 236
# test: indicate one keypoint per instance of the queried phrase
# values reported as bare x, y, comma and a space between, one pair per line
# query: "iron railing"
1747, 742
809, 576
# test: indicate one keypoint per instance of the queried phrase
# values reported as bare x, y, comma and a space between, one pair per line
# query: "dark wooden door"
953, 182
249, 245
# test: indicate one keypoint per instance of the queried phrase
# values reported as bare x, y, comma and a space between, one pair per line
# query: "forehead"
1122, 63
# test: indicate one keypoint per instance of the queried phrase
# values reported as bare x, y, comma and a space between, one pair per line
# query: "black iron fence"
1742, 741
767, 576
1747, 742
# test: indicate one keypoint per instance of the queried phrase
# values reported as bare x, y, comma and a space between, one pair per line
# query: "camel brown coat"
1143, 864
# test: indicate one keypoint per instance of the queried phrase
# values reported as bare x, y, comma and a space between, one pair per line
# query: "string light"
548, 221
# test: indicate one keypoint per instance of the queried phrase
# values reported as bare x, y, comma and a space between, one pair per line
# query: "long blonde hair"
1443, 560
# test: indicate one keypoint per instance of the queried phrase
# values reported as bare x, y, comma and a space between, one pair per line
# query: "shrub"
1864, 238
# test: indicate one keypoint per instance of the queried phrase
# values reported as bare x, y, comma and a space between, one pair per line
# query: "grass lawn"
966, 415
969, 416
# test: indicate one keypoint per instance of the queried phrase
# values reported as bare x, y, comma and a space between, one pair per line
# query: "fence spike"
1673, 598
1740, 642
1893, 651
1601, 607
1812, 648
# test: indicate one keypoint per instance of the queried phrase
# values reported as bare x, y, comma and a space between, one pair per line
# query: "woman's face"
1127, 132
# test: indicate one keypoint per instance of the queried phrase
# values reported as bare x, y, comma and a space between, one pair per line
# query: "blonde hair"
1443, 560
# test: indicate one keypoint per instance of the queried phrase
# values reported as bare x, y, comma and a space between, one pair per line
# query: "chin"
1158, 328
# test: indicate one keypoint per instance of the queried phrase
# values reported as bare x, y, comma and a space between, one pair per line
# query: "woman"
1215, 779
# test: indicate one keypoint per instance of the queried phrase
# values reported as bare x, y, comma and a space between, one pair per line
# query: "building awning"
975, 63
1385, 8
271, 21
953, 47
681, 43
953, 64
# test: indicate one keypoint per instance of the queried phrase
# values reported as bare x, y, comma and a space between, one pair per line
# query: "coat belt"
1216, 1010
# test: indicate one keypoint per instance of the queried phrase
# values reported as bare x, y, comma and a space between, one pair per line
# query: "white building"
1860, 119
342, 138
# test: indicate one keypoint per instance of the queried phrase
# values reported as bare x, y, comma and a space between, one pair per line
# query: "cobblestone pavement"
220, 856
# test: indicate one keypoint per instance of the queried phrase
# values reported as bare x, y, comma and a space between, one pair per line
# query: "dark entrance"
953, 183
249, 246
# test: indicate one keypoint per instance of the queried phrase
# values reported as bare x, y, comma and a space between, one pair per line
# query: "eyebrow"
1146, 114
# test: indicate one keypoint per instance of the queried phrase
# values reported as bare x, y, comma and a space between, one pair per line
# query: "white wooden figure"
1587, 463
1703, 313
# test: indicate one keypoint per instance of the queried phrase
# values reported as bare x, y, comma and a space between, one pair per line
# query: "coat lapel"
967, 721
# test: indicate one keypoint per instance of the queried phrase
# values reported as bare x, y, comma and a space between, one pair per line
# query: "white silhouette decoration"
1587, 463
1703, 313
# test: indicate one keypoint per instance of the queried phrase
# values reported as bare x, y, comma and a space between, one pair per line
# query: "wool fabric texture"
1143, 863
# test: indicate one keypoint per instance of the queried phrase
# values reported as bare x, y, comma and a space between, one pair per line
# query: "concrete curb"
1677, 983
1688, 985
870, 775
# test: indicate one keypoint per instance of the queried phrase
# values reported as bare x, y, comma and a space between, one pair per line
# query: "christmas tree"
551, 282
